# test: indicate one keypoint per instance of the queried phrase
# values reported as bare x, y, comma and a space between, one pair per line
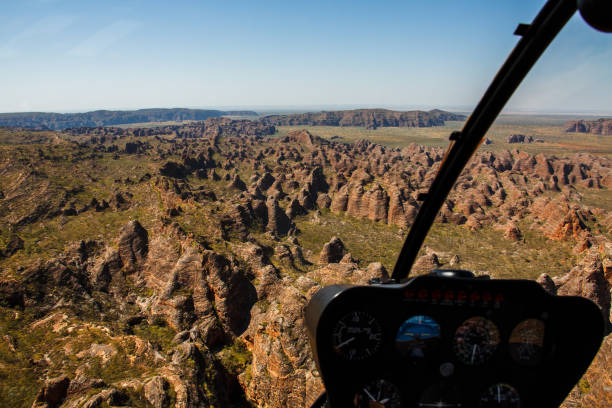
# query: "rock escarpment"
369, 118
598, 127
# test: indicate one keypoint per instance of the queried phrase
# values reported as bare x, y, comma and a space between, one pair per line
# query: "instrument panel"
439, 341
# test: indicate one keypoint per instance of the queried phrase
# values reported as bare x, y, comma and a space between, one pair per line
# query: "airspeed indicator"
356, 336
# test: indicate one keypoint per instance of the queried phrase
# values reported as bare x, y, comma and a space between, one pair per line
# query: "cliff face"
369, 118
596, 127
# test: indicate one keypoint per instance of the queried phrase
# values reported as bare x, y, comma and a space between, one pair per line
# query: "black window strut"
535, 39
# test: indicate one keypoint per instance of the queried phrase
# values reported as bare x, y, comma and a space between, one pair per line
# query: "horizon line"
307, 108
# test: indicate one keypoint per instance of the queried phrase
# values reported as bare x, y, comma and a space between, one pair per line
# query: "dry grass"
549, 129
366, 240
487, 251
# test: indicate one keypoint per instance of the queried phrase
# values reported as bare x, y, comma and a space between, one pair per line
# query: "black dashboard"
439, 341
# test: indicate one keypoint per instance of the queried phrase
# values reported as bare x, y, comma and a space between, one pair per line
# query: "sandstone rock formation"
237, 183
53, 393
332, 251
599, 127
599, 378
173, 169
587, 279
518, 138
13, 245
204, 306
426, 263
278, 222
133, 244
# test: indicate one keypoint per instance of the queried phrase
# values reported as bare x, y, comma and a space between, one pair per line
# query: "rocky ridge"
369, 118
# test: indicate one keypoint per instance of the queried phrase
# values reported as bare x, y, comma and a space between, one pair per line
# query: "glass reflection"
526, 342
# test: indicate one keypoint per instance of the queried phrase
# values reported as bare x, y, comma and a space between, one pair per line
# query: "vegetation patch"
159, 334
235, 357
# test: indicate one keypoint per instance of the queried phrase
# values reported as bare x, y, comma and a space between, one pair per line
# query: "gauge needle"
384, 401
474, 352
344, 343
369, 395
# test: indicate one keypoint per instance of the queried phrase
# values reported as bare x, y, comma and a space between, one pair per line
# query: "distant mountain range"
59, 121
369, 118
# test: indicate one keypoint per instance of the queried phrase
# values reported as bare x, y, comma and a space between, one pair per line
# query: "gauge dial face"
476, 340
526, 342
380, 394
500, 396
357, 336
417, 337
443, 395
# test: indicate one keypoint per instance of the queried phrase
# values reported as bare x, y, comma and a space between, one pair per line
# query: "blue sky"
65, 55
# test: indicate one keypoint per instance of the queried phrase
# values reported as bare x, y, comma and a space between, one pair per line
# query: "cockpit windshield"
177, 181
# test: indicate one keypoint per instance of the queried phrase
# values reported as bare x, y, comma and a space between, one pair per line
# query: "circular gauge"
356, 336
476, 340
441, 395
417, 336
526, 342
500, 396
378, 393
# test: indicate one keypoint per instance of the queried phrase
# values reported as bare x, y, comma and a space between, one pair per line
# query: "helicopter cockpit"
448, 338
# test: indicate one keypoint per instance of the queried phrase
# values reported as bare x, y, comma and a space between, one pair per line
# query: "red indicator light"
499, 297
423, 293
475, 296
461, 295
436, 294
449, 295
487, 297
409, 293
